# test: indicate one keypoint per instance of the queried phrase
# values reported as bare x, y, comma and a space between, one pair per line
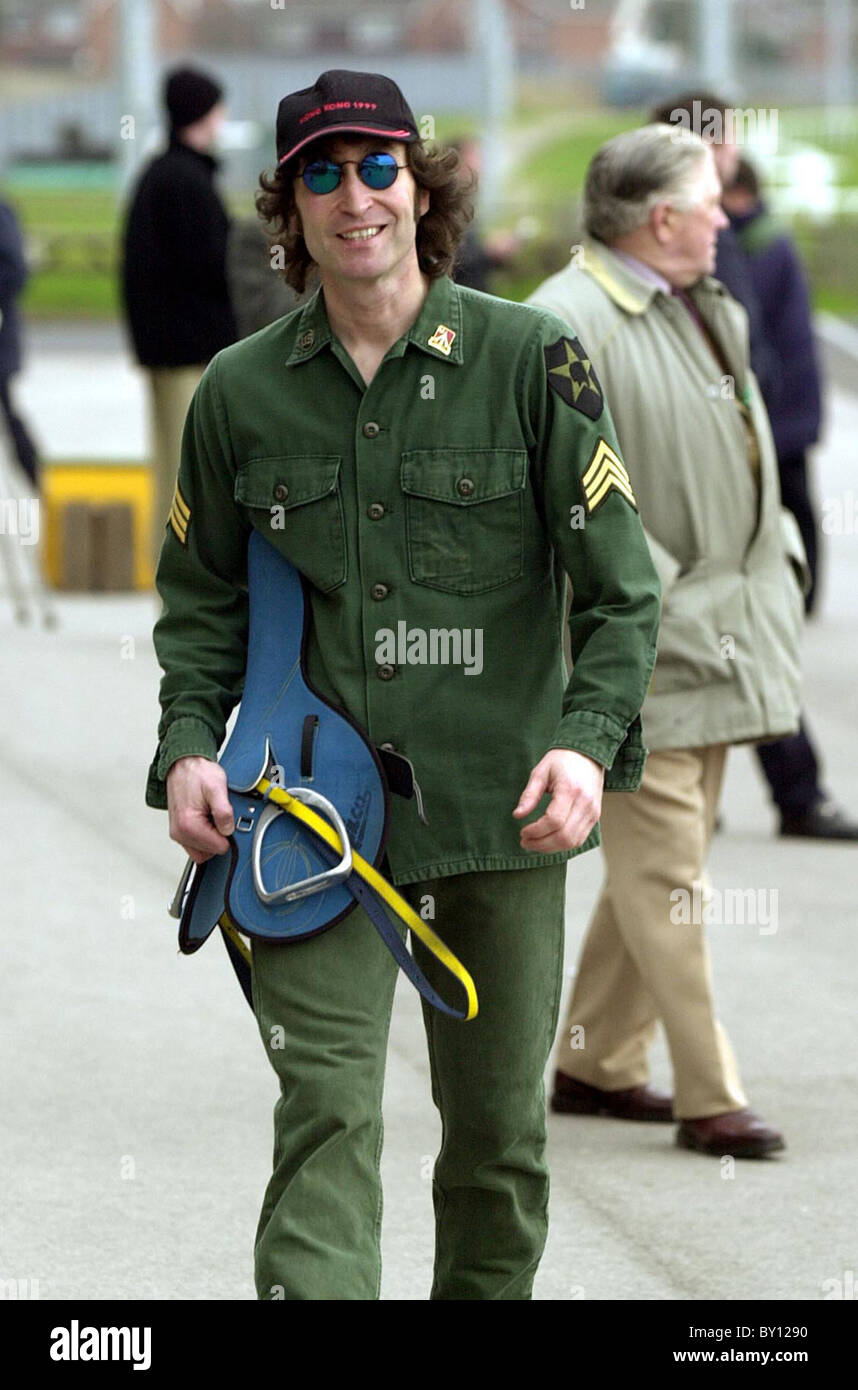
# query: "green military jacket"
433, 513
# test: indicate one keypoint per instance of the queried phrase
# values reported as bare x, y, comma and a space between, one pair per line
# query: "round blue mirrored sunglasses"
375, 170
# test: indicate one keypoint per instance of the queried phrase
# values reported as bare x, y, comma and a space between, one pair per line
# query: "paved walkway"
137, 1116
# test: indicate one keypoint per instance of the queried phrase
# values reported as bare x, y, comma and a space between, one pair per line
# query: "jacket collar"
208, 161
628, 290
738, 220
437, 330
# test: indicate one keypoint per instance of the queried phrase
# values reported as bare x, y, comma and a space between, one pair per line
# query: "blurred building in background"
525, 75
622, 52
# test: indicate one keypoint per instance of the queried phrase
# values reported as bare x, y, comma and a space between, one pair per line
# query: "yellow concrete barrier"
65, 482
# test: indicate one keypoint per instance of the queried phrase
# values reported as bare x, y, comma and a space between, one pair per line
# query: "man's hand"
200, 811
574, 783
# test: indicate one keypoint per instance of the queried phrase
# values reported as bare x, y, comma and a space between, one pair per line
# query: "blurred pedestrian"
669, 346
480, 253
258, 292
174, 274
780, 286
773, 293
13, 277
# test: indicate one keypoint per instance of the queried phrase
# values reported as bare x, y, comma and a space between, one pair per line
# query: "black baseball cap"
340, 101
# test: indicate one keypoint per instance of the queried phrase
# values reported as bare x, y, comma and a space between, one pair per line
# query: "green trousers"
323, 1008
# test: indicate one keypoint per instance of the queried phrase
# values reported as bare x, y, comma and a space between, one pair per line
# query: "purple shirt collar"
645, 271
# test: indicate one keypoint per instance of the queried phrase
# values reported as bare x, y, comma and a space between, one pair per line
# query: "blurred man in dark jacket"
258, 292
790, 765
780, 287
794, 403
174, 276
480, 254
13, 277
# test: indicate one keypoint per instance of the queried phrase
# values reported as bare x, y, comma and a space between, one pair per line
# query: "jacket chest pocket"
464, 513
300, 497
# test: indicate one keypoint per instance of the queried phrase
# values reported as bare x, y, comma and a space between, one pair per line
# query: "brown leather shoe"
738, 1134
573, 1097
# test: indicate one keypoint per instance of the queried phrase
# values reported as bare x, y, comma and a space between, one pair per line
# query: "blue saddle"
280, 881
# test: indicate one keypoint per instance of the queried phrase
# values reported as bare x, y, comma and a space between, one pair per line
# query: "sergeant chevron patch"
180, 516
605, 471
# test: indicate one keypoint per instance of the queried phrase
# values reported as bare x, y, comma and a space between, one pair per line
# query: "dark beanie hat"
189, 95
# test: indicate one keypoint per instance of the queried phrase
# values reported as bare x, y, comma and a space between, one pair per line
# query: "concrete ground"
136, 1140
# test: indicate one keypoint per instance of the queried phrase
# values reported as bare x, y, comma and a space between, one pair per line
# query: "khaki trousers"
637, 966
170, 392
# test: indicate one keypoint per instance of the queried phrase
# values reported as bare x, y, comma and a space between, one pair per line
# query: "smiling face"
358, 233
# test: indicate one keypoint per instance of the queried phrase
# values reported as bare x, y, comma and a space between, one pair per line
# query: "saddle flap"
205, 902
286, 731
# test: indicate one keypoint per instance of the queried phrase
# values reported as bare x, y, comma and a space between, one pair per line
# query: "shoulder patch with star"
605, 473
570, 373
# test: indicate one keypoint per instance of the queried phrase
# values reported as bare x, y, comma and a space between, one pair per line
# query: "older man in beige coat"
670, 348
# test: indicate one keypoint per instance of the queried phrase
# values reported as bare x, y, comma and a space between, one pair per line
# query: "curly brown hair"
439, 230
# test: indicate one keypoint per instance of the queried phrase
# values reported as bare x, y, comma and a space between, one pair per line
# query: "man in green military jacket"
431, 460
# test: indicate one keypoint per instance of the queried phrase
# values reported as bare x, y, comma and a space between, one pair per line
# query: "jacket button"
370, 429
387, 747
465, 487
281, 492
375, 511
379, 591
385, 673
